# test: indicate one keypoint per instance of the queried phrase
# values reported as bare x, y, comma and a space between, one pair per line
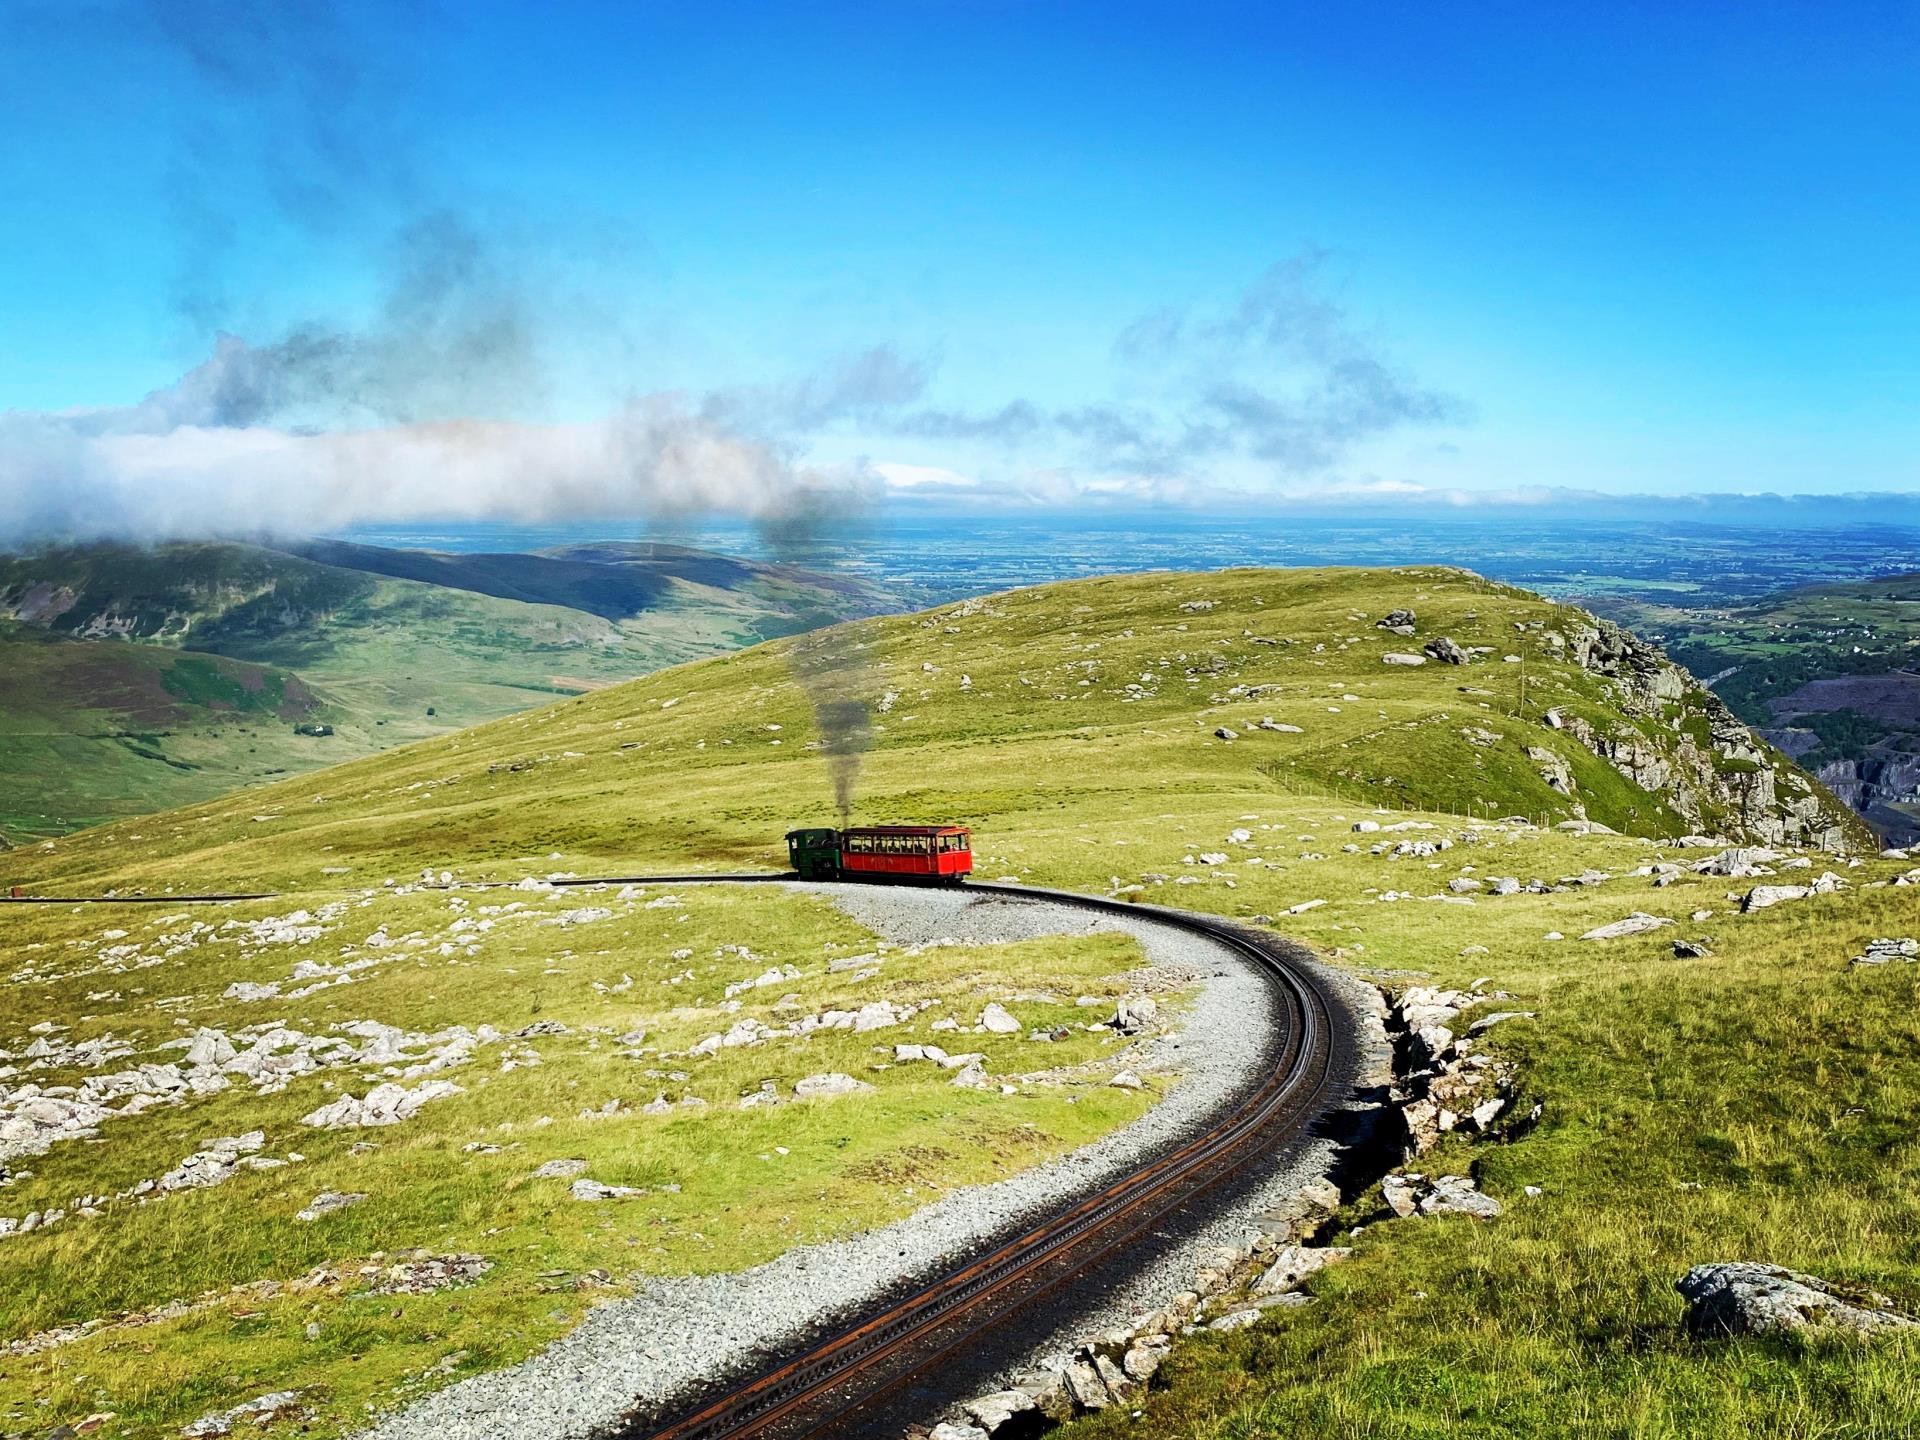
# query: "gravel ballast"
678, 1334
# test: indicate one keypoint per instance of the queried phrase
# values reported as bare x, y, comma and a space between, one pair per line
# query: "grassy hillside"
91, 730
380, 660
1037, 714
1758, 1103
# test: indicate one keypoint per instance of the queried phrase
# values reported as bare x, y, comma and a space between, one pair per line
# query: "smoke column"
831, 665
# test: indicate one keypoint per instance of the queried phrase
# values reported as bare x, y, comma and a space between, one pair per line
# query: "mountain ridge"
108, 713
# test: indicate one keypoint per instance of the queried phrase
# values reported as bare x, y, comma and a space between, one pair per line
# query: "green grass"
745, 1183
1763, 1104
1739, 1075
1023, 725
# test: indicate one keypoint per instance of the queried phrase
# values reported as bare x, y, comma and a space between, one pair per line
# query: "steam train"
939, 853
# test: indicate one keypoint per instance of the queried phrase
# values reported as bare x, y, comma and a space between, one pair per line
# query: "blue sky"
1659, 249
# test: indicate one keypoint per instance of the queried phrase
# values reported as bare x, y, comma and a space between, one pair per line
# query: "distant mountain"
614, 581
135, 677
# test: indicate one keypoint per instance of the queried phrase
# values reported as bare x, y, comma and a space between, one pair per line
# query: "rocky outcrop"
1743, 1298
1882, 952
1680, 742
1442, 1081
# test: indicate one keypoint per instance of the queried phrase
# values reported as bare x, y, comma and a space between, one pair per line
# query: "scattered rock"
1692, 950
1498, 1017
260, 1411
326, 1202
1396, 657
1402, 1198
1294, 1264
424, 1273
991, 1412
1879, 952
1638, 923
1458, 1195
387, 1104
1085, 1387
1237, 1320
996, 1021
585, 1189
1446, 650
832, 1082
1744, 1298
560, 1170
1760, 897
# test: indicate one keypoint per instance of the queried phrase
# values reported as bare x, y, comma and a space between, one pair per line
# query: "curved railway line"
840, 1384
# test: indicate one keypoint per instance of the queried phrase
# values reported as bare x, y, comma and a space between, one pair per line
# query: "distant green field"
1773, 648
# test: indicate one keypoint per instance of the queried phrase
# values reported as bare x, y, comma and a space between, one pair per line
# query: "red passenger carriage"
925, 852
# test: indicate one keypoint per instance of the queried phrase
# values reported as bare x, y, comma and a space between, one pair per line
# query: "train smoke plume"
831, 665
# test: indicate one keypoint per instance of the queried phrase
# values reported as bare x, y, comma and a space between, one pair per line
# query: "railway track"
832, 1387
838, 1385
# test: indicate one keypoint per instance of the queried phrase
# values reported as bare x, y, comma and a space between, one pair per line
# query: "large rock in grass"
823, 1087
1638, 923
386, 1104
1741, 1297
1293, 1264
998, 1021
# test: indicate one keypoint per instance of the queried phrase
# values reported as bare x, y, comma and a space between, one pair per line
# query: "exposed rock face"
1730, 783
326, 1202
1553, 769
996, 1020
387, 1104
1743, 1298
1760, 897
